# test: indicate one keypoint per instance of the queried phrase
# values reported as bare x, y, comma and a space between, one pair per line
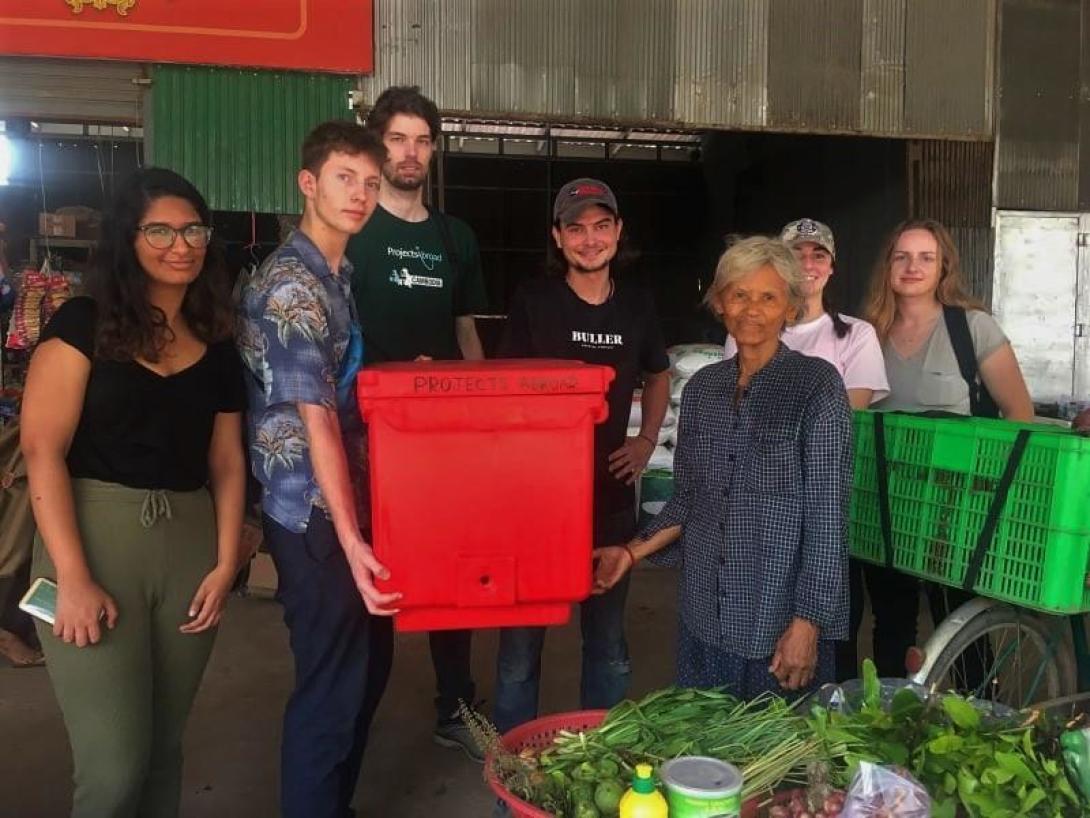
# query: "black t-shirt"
548, 320
139, 428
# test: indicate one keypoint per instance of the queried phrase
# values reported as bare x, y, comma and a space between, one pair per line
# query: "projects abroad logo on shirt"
403, 278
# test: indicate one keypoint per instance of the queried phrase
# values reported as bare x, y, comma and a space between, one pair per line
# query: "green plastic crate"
942, 476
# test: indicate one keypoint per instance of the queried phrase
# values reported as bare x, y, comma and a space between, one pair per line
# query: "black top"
139, 428
548, 320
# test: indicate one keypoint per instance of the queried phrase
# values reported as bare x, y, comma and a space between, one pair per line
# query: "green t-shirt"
407, 291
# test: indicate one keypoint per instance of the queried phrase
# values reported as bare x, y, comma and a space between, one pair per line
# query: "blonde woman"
916, 298
923, 315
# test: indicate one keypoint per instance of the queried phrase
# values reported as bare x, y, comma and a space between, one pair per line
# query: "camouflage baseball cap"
804, 230
579, 194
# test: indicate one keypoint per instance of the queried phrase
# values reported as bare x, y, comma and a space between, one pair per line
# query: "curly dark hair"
403, 99
128, 326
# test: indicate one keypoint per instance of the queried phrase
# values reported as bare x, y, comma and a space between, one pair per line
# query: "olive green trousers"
125, 700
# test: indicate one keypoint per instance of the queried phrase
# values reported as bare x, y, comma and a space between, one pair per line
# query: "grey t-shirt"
930, 380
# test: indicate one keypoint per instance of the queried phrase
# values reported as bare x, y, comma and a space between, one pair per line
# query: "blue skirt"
702, 665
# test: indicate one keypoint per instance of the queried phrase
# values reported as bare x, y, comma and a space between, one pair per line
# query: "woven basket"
539, 734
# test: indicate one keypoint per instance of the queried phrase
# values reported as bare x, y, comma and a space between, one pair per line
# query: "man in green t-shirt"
417, 285
418, 279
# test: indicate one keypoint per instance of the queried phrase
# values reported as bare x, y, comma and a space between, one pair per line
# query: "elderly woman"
762, 473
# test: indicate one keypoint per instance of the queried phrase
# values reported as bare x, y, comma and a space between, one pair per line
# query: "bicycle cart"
996, 508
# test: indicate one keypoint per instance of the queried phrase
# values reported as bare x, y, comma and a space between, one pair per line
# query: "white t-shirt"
857, 356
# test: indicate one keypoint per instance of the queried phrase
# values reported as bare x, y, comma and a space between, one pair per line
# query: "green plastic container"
698, 787
943, 473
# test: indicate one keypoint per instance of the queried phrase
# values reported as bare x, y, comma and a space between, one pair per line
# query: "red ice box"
482, 485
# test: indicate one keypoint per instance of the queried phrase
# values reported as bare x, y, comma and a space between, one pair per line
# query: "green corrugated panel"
236, 134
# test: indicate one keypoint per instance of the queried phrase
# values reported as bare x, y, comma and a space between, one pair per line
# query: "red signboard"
308, 35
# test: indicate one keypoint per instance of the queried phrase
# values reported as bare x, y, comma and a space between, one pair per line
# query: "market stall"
867, 749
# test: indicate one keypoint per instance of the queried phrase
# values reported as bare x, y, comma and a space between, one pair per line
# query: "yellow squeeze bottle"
643, 800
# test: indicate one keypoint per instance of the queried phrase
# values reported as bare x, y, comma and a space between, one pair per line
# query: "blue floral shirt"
300, 342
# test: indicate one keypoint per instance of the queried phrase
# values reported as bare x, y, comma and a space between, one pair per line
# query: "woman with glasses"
131, 427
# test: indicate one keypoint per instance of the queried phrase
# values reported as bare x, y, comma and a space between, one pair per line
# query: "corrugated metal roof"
976, 246
949, 66
882, 67
1084, 128
594, 57
1038, 163
236, 134
814, 70
427, 43
644, 84
511, 64
952, 182
71, 90
721, 63
749, 64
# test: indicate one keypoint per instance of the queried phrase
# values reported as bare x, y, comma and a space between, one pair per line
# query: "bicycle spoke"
1014, 662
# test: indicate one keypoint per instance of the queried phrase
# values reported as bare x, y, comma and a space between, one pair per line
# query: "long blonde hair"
881, 307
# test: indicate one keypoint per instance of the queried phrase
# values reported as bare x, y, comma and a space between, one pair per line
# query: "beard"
577, 265
402, 182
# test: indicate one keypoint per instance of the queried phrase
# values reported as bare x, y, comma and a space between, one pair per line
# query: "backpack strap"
881, 466
957, 327
995, 509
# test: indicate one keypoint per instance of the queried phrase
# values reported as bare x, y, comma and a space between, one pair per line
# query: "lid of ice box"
446, 379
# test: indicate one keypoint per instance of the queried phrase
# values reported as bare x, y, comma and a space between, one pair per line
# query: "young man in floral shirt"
301, 344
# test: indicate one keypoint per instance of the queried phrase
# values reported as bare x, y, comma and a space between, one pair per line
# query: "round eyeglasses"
161, 236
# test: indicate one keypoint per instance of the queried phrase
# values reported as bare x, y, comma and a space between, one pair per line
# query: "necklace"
609, 294
595, 303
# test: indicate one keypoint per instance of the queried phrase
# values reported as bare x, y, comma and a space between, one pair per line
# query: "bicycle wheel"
1013, 656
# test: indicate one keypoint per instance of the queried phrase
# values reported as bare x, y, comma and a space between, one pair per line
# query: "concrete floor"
234, 733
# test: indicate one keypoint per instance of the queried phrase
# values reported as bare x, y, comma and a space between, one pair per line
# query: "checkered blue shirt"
761, 493
295, 324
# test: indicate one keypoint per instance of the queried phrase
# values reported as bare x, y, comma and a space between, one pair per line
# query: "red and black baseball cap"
578, 194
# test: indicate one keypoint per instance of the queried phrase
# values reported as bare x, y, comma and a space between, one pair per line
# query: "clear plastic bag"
885, 792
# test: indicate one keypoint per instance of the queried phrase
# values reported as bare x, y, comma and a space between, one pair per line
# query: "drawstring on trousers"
156, 504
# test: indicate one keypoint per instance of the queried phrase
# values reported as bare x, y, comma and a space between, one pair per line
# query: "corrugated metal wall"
71, 90
1084, 111
814, 70
881, 67
952, 182
949, 65
236, 134
1043, 49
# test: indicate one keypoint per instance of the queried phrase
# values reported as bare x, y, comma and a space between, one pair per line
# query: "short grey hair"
750, 254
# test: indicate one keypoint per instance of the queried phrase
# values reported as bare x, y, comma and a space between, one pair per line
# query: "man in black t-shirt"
587, 315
